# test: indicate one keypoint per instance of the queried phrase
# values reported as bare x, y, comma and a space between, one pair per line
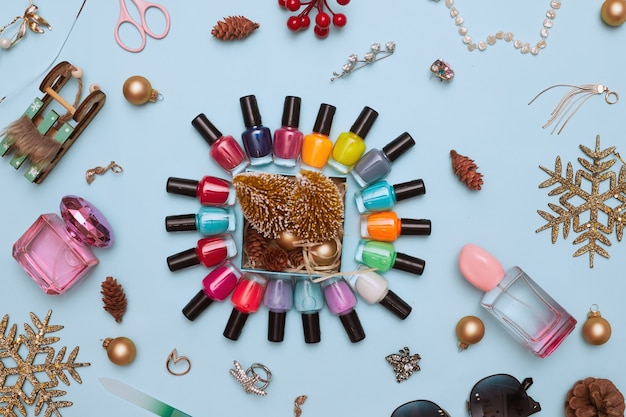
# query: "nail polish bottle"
386, 226
308, 299
210, 191
223, 149
517, 302
381, 196
278, 299
376, 163
349, 146
288, 138
209, 252
217, 285
247, 297
341, 301
209, 221
55, 251
316, 146
257, 139
383, 256
374, 289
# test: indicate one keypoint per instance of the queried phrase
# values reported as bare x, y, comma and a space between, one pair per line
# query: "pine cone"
296, 258
465, 169
254, 247
275, 259
234, 28
594, 397
114, 298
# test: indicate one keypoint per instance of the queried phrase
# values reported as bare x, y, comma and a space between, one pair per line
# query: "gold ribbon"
30, 20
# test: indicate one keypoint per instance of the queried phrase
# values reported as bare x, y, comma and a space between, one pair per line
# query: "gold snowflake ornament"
25, 382
604, 202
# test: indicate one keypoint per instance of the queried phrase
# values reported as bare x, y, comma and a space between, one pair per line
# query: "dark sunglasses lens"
419, 408
501, 396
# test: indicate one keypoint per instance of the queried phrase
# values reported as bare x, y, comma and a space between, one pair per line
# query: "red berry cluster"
322, 19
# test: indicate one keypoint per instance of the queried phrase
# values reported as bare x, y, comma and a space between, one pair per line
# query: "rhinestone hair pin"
376, 53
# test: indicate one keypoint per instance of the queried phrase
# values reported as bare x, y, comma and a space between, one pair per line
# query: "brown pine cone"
234, 28
114, 298
296, 258
275, 259
465, 169
594, 397
254, 247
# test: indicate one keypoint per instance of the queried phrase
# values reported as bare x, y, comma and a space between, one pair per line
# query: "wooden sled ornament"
41, 135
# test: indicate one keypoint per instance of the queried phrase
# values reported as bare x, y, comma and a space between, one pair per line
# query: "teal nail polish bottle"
382, 256
381, 196
209, 221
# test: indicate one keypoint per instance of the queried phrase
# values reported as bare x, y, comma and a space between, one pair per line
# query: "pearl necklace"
524, 47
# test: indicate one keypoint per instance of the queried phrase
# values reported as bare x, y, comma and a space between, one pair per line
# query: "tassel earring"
574, 99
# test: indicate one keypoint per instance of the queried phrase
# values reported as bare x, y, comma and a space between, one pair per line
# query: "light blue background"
482, 113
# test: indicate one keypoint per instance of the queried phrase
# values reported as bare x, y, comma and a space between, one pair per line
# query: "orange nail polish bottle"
386, 226
317, 146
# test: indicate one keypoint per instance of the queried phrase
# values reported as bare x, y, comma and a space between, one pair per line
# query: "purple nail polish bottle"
278, 299
341, 301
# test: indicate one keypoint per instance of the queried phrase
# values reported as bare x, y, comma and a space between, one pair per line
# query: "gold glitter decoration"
300, 399
596, 172
34, 382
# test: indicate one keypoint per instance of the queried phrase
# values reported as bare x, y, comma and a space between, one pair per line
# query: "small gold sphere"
325, 253
287, 240
138, 90
121, 350
596, 330
469, 331
613, 12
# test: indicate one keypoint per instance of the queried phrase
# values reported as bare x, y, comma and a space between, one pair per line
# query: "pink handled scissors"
143, 28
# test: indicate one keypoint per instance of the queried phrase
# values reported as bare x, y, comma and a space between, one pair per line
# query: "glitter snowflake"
604, 205
25, 381
404, 364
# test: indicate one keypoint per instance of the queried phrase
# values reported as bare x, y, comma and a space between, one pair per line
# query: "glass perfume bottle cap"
480, 268
85, 222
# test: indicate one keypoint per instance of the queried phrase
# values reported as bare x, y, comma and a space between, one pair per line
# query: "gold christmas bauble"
121, 350
287, 240
469, 330
596, 330
138, 90
325, 253
613, 12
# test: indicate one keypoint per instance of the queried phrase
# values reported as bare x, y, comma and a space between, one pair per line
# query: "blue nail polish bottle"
308, 299
209, 221
381, 196
257, 139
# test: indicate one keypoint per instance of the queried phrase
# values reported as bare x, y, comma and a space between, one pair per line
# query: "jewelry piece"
297, 412
524, 47
442, 70
249, 378
576, 94
404, 364
375, 54
30, 19
90, 175
173, 357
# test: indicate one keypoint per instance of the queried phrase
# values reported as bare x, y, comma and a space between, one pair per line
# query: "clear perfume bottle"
56, 251
519, 304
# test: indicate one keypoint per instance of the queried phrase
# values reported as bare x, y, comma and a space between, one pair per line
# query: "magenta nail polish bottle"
341, 301
224, 149
55, 251
209, 251
216, 286
288, 138
519, 304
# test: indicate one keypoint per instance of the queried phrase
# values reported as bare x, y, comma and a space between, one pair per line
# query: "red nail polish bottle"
209, 251
246, 299
211, 191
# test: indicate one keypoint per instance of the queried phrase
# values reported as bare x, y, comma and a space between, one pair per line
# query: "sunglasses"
419, 408
501, 395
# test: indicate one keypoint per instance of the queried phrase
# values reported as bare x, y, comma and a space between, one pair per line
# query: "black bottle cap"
352, 326
235, 324
206, 129
408, 263
421, 227
311, 327
250, 111
291, 111
276, 326
324, 119
364, 122
409, 189
398, 146
183, 260
197, 305
396, 305
182, 186
180, 223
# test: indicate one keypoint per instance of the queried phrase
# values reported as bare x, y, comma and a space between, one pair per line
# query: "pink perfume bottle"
527, 312
55, 251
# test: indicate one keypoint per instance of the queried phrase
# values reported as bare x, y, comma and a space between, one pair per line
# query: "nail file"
139, 398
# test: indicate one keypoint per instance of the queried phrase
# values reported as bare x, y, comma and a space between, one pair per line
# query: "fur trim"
27, 140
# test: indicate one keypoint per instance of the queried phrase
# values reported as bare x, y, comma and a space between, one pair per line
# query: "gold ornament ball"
138, 90
613, 12
325, 253
596, 330
287, 240
469, 331
121, 350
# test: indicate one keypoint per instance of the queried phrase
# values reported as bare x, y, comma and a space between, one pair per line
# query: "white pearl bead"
551, 14
482, 45
459, 21
94, 87
467, 39
534, 50
471, 47
463, 30
449, 3
499, 35
5, 43
517, 44
547, 23
491, 40
454, 12
525, 49
555, 4
544, 33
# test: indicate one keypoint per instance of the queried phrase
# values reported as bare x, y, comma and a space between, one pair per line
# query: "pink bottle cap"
480, 268
85, 222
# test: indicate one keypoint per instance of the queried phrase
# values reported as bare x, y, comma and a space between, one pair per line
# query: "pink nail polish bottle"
519, 304
225, 150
